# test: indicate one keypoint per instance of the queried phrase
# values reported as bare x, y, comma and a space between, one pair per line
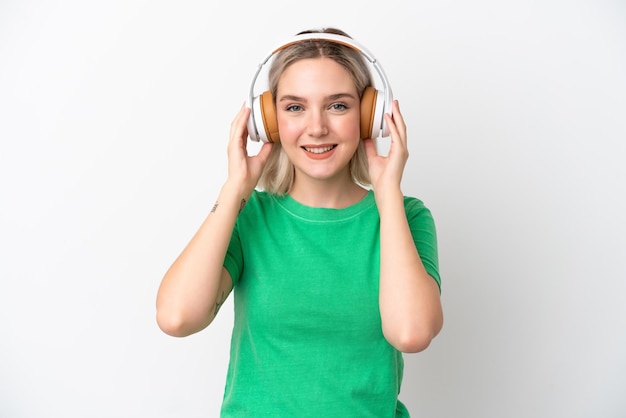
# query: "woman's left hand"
386, 171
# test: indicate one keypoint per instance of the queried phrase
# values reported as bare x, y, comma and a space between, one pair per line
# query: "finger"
397, 127
264, 152
398, 118
393, 129
238, 116
239, 129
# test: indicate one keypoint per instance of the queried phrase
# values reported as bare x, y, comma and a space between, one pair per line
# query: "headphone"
263, 124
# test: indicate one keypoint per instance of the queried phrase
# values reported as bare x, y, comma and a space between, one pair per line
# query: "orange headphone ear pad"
268, 115
368, 107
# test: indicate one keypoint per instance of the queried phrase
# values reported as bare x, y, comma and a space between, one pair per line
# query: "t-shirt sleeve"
233, 262
424, 234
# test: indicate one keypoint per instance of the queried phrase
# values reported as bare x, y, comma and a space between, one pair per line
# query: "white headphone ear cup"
386, 108
379, 127
256, 130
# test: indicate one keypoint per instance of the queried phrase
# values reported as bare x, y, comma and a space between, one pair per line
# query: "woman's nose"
317, 124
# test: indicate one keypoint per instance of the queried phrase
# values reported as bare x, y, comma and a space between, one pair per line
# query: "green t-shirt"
307, 338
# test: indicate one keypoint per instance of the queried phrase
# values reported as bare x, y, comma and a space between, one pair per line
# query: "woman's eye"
293, 108
338, 106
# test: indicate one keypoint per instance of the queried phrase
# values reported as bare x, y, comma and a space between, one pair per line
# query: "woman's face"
318, 111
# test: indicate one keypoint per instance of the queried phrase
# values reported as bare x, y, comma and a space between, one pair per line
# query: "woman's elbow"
409, 343
174, 324
169, 324
416, 339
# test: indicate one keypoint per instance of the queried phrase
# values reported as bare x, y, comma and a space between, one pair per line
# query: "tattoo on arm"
218, 304
241, 205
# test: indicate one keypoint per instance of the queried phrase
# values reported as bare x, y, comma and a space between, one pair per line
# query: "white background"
114, 118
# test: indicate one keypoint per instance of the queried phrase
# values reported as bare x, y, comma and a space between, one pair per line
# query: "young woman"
334, 270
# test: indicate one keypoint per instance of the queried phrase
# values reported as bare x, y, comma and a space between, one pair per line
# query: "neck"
327, 194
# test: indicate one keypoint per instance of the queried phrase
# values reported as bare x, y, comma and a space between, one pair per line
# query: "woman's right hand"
244, 170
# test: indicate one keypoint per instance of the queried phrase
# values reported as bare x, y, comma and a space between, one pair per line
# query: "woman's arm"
410, 304
197, 284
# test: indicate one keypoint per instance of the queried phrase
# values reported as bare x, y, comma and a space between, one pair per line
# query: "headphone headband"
385, 105
332, 37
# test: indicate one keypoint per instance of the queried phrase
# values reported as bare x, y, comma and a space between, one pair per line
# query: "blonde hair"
278, 173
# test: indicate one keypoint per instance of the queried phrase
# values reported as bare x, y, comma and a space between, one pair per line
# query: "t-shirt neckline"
311, 213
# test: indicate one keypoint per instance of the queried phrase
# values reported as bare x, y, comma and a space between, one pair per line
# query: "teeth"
319, 150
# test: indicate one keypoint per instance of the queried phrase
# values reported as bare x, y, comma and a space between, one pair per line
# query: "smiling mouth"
319, 150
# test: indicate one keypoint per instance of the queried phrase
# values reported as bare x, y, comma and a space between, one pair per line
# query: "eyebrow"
290, 97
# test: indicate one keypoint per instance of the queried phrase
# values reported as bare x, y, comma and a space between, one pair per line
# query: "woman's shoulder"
416, 209
414, 203
261, 200
262, 197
